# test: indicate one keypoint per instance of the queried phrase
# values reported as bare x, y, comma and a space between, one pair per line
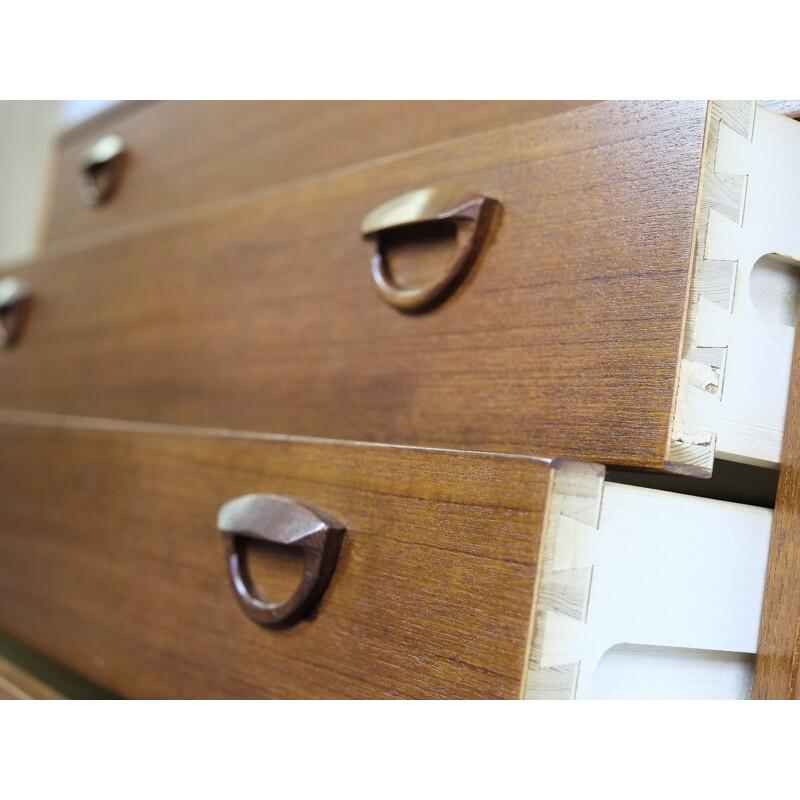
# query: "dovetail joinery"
721, 199
565, 578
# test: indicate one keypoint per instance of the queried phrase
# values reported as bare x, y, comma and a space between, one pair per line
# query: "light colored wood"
564, 341
564, 578
791, 108
27, 130
625, 565
188, 153
646, 672
111, 563
777, 675
16, 684
735, 369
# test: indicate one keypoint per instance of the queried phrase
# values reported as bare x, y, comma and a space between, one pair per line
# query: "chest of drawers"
213, 331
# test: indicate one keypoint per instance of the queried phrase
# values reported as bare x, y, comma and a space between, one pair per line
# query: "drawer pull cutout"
101, 170
283, 521
470, 213
14, 302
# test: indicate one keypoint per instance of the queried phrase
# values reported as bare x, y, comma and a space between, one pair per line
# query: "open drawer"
112, 562
632, 301
646, 594
742, 312
261, 312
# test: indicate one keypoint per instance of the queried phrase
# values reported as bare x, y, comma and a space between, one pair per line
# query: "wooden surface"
16, 684
564, 579
564, 341
791, 108
189, 153
778, 659
111, 562
636, 566
743, 301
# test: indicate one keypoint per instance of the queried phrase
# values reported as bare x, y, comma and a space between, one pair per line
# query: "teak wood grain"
111, 563
777, 675
186, 153
564, 340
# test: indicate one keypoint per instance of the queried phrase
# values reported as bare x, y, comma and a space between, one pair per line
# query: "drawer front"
565, 339
111, 562
184, 154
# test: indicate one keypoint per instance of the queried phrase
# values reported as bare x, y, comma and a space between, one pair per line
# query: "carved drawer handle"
101, 170
472, 215
281, 520
15, 298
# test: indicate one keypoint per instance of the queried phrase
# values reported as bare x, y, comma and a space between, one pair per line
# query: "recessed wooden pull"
284, 521
471, 213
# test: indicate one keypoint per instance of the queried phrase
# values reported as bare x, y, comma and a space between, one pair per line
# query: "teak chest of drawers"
212, 331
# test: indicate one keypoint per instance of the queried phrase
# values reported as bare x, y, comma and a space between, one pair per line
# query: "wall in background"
27, 133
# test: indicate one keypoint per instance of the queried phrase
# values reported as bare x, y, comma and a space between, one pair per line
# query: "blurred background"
28, 130
28, 134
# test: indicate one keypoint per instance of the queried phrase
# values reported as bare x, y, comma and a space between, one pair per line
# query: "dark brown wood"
472, 216
777, 675
183, 154
283, 521
563, 341
111, 563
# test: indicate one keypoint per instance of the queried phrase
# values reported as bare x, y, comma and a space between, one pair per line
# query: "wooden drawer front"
263, 316
184, 154
111, 562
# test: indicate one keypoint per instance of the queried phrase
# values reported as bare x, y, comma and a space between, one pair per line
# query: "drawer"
112, 563
460, 574
742, 312
633, 304
186, 154
565, 339
646, 594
